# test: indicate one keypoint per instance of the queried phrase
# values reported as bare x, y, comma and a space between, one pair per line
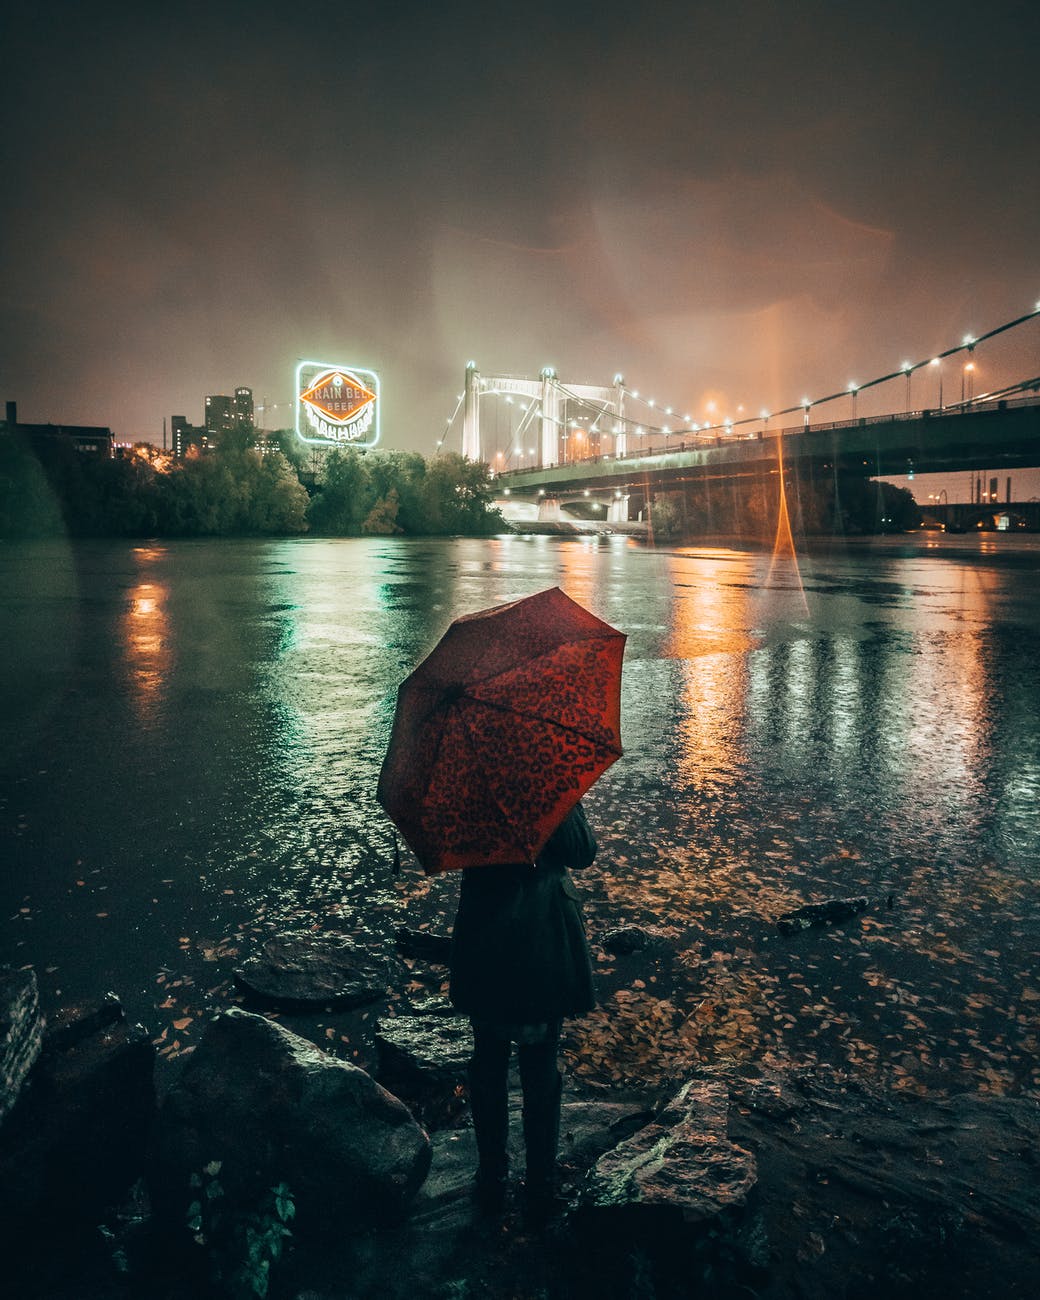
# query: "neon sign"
337, 406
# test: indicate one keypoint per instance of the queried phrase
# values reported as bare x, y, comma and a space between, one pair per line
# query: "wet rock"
429, 1004
422, 1060
867, 1191
77, 1139
589, 1128
273, 1108
432, 948
21, 1033
73, 1025
835, 909
627, 939
677, 1189
295, 970
680, 1162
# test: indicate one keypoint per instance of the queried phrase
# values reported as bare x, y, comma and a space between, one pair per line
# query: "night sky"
744, 202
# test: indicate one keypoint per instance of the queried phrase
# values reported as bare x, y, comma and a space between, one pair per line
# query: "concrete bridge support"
617, 511
471, 413
549, 510
551, 421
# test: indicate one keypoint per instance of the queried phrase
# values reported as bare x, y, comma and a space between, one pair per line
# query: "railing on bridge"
687, 440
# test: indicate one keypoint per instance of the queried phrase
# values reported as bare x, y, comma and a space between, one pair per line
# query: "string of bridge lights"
624, 423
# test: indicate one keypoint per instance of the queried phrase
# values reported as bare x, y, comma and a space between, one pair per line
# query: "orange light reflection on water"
145, 635
709, 639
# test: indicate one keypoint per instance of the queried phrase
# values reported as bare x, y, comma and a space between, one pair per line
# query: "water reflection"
145, 642
709, 637
879, 734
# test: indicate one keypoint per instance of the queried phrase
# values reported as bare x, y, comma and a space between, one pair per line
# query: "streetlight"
936, 361
853, 390
908, 370
968, 378
806, 403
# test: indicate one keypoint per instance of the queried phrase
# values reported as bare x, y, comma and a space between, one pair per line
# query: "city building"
88, 439
223, 414
244, 406
184, 436
220, 415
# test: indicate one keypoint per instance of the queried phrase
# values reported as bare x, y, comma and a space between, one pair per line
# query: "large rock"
422, 1059
678, 1189
21, 1033
302, 969
77, 1139
273, 1108
681, 1164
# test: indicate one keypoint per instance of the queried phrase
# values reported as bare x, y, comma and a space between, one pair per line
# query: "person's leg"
541, 1083
488, 1074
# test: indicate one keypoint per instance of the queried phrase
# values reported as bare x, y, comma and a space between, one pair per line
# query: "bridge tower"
552, 396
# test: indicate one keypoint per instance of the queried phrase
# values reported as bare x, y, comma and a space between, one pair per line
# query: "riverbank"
778, 1181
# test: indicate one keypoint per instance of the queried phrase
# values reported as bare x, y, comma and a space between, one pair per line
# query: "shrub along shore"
50, 489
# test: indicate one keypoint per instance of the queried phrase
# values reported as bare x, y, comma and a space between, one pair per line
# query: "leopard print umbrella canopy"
501, 730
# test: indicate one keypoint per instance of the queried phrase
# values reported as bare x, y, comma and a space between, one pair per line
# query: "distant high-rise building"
220, 415
185, 435
244, 406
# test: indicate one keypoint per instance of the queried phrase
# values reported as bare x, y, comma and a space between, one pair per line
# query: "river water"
191, 734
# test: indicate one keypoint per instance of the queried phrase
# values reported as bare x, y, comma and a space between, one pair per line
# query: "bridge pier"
471, 413
549, 510
617, 511
551, 421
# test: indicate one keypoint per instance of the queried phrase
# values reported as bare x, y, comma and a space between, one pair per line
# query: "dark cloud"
750, 200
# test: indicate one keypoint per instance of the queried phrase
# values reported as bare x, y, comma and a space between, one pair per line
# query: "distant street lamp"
853, 390
936, 361
908, 370
968, 380
806, 403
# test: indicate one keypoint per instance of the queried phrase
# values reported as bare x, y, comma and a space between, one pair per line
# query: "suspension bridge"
608, 441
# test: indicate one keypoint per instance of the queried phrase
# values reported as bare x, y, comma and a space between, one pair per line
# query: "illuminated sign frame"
327, 418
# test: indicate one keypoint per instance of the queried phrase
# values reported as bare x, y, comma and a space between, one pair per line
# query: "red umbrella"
500, 731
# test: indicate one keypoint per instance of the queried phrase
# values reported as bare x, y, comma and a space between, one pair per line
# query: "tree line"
47, 487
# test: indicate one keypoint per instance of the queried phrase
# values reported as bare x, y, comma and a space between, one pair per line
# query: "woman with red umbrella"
520, 964
497, 735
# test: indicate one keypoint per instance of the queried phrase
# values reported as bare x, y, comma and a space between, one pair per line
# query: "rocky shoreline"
271, 1167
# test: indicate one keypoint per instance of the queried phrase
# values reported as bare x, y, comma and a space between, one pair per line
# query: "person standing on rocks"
520, 964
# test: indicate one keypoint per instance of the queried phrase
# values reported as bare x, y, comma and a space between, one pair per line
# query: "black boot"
541, 1140
489, 1106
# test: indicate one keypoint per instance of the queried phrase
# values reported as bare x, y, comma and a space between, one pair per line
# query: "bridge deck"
1004, 436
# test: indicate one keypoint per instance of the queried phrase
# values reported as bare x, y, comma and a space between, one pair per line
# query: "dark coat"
519, 952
